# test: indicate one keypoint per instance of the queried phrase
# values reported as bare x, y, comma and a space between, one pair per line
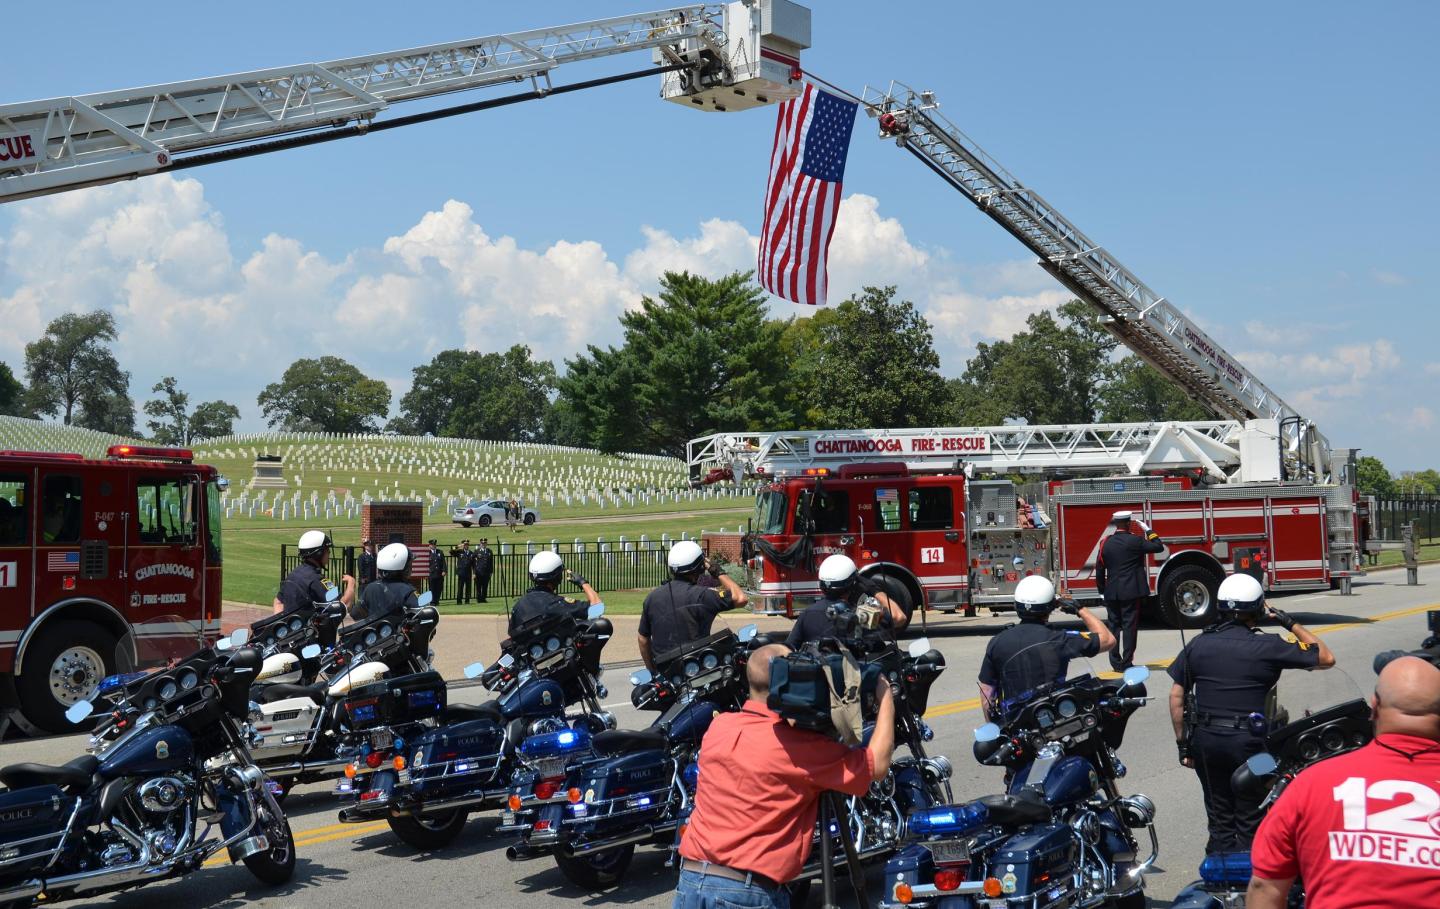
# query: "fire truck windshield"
770, 512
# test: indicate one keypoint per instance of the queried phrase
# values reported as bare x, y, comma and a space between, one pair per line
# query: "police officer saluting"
1026, 656
841, 588
308, 584
1230, 668
437, 571
680, 610
392, 591
464, 568
547, 570
1121, 576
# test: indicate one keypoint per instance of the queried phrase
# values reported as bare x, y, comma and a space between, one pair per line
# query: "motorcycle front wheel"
598, 870
434, 832
275, 865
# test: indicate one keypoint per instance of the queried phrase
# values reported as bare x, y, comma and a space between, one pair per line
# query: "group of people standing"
473, 569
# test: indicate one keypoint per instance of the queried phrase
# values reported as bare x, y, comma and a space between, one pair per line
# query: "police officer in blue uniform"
836, 613
1030, 654
1123, 578
1217, 701
547, 570
392, 591
308, 583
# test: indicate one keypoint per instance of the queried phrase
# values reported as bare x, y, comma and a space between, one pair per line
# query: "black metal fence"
1391, 513
607, 566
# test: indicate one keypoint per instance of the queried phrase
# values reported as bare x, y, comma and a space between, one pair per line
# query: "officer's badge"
162, 750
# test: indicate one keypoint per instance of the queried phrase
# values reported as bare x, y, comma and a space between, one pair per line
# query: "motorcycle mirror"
748, 632
223, 645
506, 661
239, 636
640, 677
918, 647
1262, 764
425, 599
79, 711
1135, 675
310, 651
595, 611
332, 594
1017, 561
474, 670
987, 733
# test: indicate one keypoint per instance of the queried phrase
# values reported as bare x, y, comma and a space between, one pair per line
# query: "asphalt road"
364, 864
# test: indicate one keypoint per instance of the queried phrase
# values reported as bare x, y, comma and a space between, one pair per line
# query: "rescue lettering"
973, 444
18, 148
165, 568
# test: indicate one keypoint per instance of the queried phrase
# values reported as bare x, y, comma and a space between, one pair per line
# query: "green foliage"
1135, 392
467, 394
701, 358
1373, 477
12, 394
70, 368
173, 424
324, 395
868, 362
1419, 483
212, 420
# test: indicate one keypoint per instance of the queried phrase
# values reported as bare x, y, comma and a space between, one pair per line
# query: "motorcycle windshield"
1301, 695
1037, 669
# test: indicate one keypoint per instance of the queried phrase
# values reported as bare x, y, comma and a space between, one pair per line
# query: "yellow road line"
317, 835
974, 703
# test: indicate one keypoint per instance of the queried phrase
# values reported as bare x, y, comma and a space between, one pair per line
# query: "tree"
324, 395
174, 424
1373, 477
1050, 373
870, 361
1136, 392
212, 420
71, 367
467, 394
700, 358
12, 394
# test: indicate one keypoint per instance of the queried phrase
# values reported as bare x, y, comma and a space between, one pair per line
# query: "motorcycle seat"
621, 741
464, 713
72, 774
1016, 809
283, 690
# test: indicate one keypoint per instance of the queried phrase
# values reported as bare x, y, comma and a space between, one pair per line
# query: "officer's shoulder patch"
1302, 645
1077, 634
327, 582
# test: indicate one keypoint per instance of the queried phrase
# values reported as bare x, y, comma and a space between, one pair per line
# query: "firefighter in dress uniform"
437, 571
392, 591
1122, 578
547, 570
1217, 701
308, 583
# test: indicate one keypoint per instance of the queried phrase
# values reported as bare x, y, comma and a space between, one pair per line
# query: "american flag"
62, 561
807, 165
887, 495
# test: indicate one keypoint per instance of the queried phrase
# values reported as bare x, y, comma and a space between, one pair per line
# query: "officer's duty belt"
1218, 721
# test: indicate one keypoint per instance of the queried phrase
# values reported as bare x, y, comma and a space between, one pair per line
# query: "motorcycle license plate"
382, 738
950, 851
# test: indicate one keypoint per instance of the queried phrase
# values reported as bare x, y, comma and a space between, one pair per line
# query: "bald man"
760, 783
1363, 829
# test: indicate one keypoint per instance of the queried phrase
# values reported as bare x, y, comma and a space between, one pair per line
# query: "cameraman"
838, 609
760, 784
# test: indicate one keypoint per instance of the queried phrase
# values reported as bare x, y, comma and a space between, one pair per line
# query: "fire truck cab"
90, 548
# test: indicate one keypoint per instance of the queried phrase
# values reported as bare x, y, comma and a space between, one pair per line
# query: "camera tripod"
832, 807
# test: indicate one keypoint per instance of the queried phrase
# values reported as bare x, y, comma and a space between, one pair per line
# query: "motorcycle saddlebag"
1034, 860
394, 702
623, 791
459, 756
32, 822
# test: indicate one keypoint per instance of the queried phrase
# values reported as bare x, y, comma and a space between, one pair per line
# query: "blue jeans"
706, 891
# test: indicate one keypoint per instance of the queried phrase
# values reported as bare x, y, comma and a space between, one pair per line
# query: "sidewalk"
465, 639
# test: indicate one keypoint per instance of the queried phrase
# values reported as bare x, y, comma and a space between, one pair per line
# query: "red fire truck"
904, 506
88, 549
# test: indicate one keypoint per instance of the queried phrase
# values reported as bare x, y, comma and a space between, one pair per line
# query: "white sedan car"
486, 513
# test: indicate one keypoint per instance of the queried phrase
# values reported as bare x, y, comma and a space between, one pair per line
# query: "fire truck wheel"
1187, 597
64, 662
896, 590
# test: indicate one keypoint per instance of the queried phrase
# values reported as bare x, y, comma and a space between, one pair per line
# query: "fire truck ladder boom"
1130, 448
92, 139
1147, 323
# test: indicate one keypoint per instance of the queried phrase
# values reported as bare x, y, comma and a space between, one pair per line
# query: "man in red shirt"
1362, 830
755, 805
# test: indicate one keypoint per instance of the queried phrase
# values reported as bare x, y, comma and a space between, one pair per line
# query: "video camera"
826, 692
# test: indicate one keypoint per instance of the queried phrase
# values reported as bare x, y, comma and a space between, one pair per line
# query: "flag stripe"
802, 197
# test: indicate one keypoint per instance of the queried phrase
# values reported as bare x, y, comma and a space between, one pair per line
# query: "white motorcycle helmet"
393, 558
312, 542
838, 574
685, 557
1034, 596
1241, 594
547, 566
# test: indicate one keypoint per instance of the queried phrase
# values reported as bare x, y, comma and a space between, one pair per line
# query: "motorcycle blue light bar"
1226, 868
947, 820
552, 744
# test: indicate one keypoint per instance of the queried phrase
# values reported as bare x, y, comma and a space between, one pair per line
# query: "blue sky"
1270, 167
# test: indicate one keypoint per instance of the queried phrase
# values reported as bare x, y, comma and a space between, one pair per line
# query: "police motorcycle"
1309, 717
587, 799
169, 781
425, 765
299, 729
1061, 834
